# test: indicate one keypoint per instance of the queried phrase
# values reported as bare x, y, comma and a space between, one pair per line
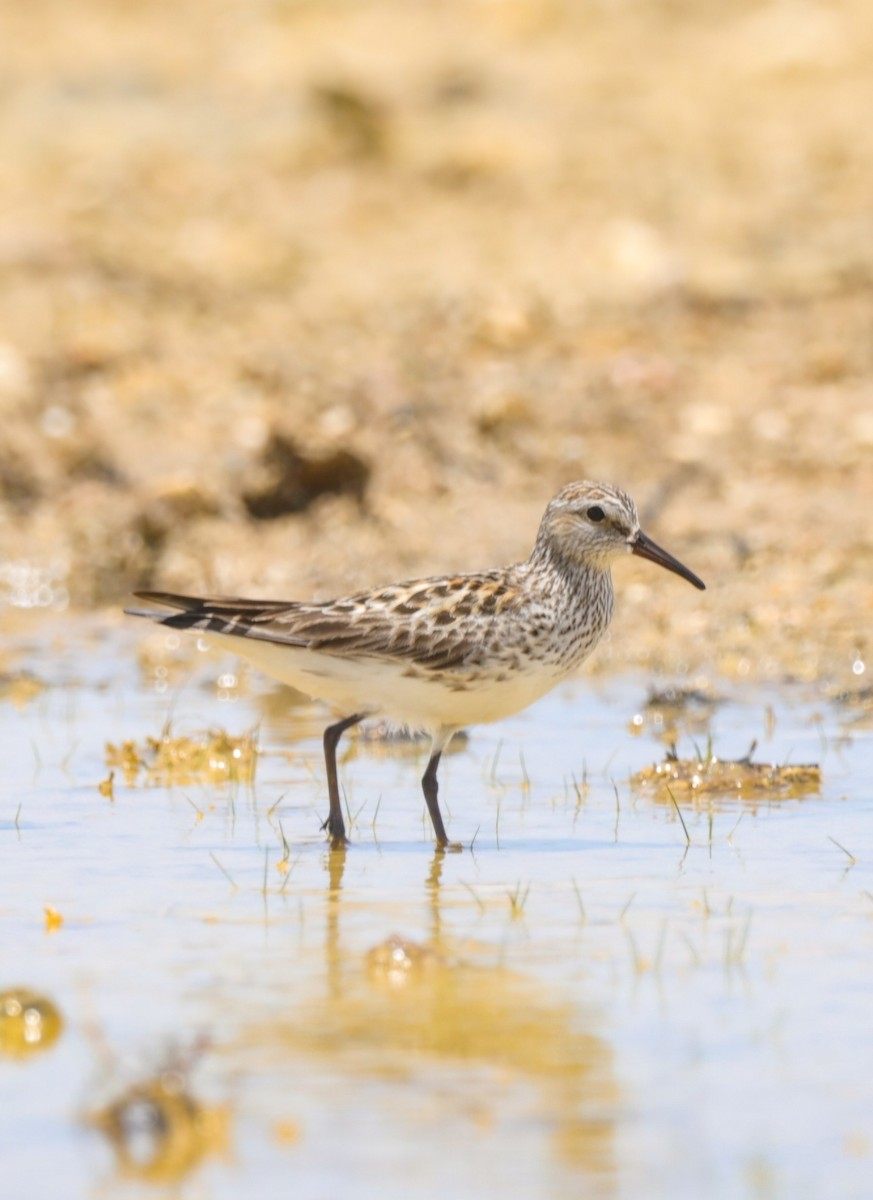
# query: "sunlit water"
600, 1009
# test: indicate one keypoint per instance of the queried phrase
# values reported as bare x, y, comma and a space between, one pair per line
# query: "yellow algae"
212, 756
714, 777
53, 919
28, 1022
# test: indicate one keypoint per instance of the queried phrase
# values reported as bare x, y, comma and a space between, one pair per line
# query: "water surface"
581, 1002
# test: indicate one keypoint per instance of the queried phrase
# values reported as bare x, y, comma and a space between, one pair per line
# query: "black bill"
646, 548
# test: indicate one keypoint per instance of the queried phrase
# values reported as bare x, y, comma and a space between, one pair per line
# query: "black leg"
431, 788
335, 824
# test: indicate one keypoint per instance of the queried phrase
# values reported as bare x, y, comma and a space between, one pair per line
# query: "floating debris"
681, 699
858, 701
712, 776
212, 756
385, 735
20, 687
159, 1131
673, 709
396, 961
28, 1022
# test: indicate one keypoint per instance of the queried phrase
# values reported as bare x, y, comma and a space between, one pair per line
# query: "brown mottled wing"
435, 623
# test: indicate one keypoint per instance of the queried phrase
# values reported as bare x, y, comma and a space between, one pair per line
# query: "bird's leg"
334, 824
430, 786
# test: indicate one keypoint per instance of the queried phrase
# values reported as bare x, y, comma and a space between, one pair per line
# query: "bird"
439, 653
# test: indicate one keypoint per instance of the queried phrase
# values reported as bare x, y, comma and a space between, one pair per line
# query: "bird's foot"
336, 833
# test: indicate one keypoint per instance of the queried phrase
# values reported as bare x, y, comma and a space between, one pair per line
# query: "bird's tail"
212, 614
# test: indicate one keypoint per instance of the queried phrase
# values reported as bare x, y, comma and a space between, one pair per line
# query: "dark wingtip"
178, 611
171, 600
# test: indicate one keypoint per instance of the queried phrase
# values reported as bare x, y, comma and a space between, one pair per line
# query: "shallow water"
586, 1004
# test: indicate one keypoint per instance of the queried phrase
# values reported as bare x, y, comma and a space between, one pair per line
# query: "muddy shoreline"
280, 315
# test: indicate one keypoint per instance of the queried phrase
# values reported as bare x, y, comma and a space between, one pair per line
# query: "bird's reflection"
336, 866
413, 1006
406, 1007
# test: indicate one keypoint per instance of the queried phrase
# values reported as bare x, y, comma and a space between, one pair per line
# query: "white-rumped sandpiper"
441, 653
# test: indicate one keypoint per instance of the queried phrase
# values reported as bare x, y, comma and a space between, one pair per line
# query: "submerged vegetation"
212, 756
710, 776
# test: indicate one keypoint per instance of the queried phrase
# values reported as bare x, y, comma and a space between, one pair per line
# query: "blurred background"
302, 296
297, 297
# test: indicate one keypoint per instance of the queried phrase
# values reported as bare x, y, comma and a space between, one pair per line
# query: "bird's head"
590, 524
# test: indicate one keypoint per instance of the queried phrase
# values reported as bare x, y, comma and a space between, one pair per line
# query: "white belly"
383, 687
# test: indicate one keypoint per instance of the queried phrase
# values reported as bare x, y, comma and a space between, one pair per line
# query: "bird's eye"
595, 513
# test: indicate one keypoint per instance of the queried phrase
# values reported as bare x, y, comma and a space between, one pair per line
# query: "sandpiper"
440, 653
